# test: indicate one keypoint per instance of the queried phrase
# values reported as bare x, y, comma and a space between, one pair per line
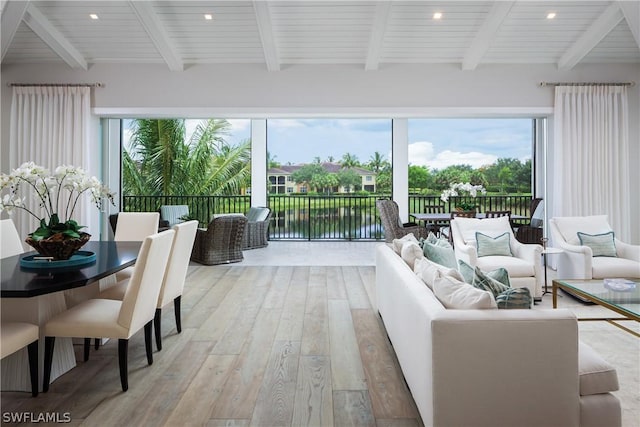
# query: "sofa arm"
625, 250
497, 363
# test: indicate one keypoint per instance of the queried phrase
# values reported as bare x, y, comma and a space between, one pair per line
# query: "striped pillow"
488, 246
486, 283
514, 298
601, 244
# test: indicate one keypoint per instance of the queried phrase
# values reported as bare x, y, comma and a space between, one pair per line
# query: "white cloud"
239, 125
422, 154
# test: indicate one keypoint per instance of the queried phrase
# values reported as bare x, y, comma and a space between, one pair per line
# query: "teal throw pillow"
440, 255
500, 274
488, 246
514, 298
601, 244
486, 283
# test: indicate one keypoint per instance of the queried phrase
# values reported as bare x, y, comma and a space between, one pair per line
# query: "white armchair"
525, 264
577, 261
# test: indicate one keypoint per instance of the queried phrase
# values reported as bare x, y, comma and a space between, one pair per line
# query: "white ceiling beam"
631, 12
597, 31
486, 34
12, 14
378, 29
265, 28
152, 25
54, 38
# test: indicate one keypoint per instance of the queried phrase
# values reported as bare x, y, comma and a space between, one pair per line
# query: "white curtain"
591, 154
50, 126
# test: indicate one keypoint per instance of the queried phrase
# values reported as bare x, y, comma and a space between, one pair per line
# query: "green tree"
349, 160
419, 177
307, 173
324, 182
506, 177
160, 161
271, 161
376, 162
455, 173
349, 179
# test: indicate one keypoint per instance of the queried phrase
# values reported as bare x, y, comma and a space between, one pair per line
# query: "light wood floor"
261, 345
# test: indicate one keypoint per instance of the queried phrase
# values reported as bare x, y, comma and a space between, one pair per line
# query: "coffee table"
626, 303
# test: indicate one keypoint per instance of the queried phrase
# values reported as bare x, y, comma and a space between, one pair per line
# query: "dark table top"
21, 282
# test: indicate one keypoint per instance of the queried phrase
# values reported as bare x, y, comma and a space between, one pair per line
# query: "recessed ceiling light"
437, 15
93, 16
551, 15
208, 16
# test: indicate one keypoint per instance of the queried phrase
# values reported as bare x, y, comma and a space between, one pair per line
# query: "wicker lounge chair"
221, 242
256, 234
393, 227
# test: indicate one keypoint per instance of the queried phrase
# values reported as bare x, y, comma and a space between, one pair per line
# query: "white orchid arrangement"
462, 189
57, 196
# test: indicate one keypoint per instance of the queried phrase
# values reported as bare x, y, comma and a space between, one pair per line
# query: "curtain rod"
57, 84
630, 84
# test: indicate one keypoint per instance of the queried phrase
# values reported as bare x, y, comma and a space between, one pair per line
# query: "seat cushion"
596, 374
516, 267
16, 335
95, 318
607, 267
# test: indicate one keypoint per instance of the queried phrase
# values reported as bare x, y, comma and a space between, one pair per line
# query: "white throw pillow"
410, 252
427, 271
453, 293
398, 243
569, 226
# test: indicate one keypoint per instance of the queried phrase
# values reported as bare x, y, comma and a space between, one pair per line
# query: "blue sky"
436, 143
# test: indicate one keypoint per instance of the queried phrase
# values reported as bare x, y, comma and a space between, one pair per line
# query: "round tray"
78, 259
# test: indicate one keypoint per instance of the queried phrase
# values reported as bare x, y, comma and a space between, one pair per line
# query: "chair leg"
176, 309
157, 327
123, 347
32, 350
147, 342
97, 343
87, 346
49, 343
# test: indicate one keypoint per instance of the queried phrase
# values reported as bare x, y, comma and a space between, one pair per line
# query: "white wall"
393, 91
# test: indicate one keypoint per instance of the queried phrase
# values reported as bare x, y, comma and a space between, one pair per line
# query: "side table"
548, 251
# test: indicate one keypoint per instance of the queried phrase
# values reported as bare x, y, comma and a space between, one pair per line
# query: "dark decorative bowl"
57, 246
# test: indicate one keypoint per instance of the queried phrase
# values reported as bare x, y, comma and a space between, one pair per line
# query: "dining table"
446, 216
36, 292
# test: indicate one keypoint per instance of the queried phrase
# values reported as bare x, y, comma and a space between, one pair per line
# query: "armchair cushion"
517, 267
498, 245
569, 226
600, 244
596, 374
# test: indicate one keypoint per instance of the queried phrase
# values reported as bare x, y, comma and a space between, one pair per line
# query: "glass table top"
622, 293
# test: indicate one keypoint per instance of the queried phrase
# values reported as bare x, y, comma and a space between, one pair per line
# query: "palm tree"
349, 160
160, 161
376, 162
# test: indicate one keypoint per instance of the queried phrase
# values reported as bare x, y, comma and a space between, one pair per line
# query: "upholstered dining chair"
393, 226
497, 214
106, 318
15, 336
134, 227
11, 243
174, 278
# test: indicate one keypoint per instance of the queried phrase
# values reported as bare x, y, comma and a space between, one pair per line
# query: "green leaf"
71, 233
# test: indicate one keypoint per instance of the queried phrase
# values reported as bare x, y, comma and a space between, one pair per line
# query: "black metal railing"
311, 217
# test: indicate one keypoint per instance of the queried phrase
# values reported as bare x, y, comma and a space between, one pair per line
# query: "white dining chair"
174, 278
105, 318
15, 336
11, 242
134, 227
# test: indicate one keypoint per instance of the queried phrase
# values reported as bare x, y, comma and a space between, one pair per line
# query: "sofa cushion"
514, 298
486, 283
596, 374
410, 252
456, 294
569, 226
427, 270
500, 274
517, 267
440, 254
488, 246
601, 244
397, 243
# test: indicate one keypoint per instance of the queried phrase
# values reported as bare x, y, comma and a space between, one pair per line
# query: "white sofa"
524, 267
487, 367
577, 261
